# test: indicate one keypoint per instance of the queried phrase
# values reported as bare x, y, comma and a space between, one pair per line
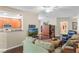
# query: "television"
32, 26
32, 32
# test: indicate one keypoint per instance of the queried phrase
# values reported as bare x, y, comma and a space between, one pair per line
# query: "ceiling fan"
48, 9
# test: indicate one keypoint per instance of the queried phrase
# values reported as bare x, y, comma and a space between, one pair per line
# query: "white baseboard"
14, 46
3, 50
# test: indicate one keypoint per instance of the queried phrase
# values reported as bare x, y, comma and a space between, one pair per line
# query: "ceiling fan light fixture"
47, 9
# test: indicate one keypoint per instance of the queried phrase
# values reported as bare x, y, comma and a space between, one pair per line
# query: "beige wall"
16, 38
30, 18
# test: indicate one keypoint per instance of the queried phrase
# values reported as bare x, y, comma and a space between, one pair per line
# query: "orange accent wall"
7, 21
1, 24
15, 23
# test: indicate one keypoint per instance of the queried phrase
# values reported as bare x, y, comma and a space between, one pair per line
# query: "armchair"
69, 46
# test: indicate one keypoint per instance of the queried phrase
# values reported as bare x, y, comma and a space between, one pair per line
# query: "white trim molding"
3, 50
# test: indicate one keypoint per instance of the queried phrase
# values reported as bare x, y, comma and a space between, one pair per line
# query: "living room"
39, 29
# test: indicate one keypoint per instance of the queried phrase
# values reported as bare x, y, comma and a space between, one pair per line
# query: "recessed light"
46, 8
4, 13
40, 17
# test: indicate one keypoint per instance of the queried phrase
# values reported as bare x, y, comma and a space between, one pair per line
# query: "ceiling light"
46, 8
40, 17
5, 13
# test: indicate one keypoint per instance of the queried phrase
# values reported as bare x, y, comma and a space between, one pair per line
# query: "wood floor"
15, 50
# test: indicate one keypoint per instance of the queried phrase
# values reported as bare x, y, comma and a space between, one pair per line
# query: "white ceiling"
58, 10
32, 8
25, 8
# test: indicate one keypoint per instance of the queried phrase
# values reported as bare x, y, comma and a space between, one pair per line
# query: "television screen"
32, 31
32, 26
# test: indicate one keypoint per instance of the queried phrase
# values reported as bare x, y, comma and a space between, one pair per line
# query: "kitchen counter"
12, 39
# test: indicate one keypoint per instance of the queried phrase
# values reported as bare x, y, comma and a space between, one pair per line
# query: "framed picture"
64, 27
74, 25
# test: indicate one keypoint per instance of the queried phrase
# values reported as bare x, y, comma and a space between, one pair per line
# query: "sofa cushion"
44, 44
29, 47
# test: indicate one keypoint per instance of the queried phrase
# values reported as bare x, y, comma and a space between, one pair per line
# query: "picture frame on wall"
74, 25
64, 27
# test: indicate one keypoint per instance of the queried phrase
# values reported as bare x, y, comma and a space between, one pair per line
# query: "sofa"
32, 45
